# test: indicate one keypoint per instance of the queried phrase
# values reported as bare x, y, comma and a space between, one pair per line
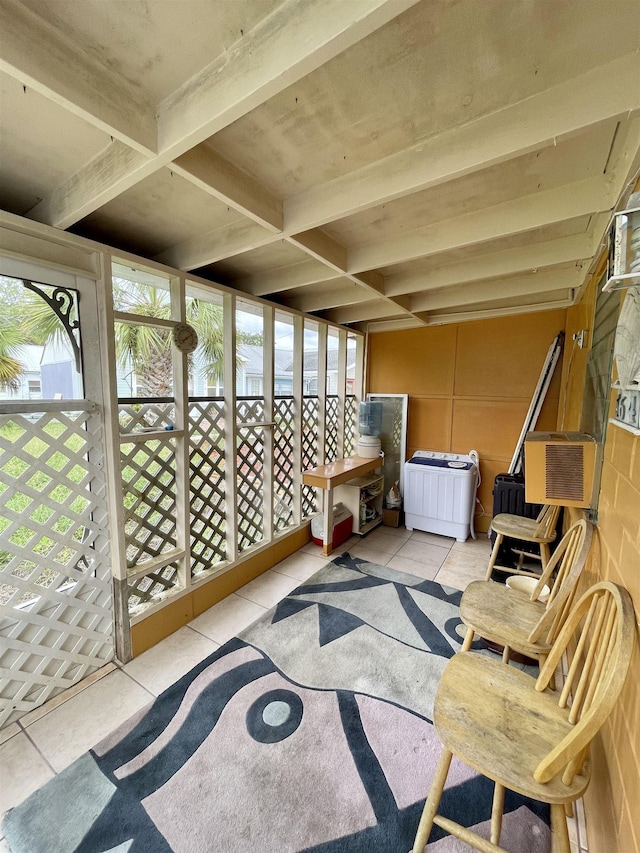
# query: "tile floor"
35, 748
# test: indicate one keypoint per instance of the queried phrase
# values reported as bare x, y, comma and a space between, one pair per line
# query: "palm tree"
11, 369
147, 349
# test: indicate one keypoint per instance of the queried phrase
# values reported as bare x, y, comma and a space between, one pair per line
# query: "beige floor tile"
165, 663
9, 731
71, 729
4, 845
63, 697
383, 542
459, 577
227, 618
432, 538
481, 544
268, 589
24, 767
398, 532
370, 553
427, 571
472, 559
301, 565
423, 552
316, 550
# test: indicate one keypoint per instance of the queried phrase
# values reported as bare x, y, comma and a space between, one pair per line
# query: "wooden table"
327, 477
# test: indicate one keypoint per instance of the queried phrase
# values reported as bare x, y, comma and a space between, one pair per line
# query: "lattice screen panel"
149, 495
152, 588
207, 499
283, 463
250, 466
310, 410
136, 417
350, 425
55, 576
331, 433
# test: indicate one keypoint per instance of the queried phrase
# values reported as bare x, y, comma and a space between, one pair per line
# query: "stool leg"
494, 555
559, 831
496, 813
468, 640
433, 801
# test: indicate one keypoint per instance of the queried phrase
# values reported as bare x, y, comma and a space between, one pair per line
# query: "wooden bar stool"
541, 531
516, 732
515, 620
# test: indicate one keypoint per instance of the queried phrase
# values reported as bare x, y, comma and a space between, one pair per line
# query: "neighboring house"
249, 379
60, 379
30, 384
310, 371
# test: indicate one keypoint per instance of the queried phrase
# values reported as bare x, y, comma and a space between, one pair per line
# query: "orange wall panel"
491, 427
428, 424
503, 357
415, 361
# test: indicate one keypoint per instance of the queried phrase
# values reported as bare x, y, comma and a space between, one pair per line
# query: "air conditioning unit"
559, 468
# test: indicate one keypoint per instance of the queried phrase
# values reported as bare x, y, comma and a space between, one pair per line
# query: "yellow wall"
613, 798
470, 385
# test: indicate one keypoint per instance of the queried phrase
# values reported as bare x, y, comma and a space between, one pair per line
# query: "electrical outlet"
581, 338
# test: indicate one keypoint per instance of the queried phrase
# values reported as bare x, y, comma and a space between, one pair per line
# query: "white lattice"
310, 409
283, 433
206, 469
136, 417
55, 591
331, 429
350, 421
250, 480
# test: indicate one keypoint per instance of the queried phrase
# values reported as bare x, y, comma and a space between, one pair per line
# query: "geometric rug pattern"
310, 731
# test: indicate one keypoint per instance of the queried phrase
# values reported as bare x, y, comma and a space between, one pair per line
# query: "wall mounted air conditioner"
559, 468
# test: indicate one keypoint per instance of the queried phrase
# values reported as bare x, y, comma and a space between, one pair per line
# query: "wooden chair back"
547, 520
561, 575
605, 618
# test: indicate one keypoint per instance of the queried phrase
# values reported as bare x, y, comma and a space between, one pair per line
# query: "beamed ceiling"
380, 163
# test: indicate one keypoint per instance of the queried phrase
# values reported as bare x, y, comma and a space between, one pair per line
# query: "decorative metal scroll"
61, 302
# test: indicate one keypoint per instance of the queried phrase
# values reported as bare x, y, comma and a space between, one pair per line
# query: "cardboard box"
391, 517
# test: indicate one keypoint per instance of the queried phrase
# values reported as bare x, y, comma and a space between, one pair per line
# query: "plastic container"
342, 526
370, 418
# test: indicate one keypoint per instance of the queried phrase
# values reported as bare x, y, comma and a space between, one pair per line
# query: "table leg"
327, 535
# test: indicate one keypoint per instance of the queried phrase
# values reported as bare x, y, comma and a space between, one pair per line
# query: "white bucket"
527, 585
369, 446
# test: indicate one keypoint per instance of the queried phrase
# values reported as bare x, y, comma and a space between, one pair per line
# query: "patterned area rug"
309, 732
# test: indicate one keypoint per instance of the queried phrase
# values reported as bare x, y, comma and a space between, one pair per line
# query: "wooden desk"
327, 477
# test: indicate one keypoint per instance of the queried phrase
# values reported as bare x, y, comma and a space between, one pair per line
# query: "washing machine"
440, 493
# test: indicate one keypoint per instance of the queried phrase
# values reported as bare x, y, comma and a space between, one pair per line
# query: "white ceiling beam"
342, 292
605, 92
294, 40
498, 264
112, 172
370, 310
323, 248
212, 173
305, 273
46, 60
486, 291
218, 244
489, 313
511, 217
282, 49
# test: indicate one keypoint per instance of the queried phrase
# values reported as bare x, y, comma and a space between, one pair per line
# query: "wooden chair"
541, 531
510, 618
514, 731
